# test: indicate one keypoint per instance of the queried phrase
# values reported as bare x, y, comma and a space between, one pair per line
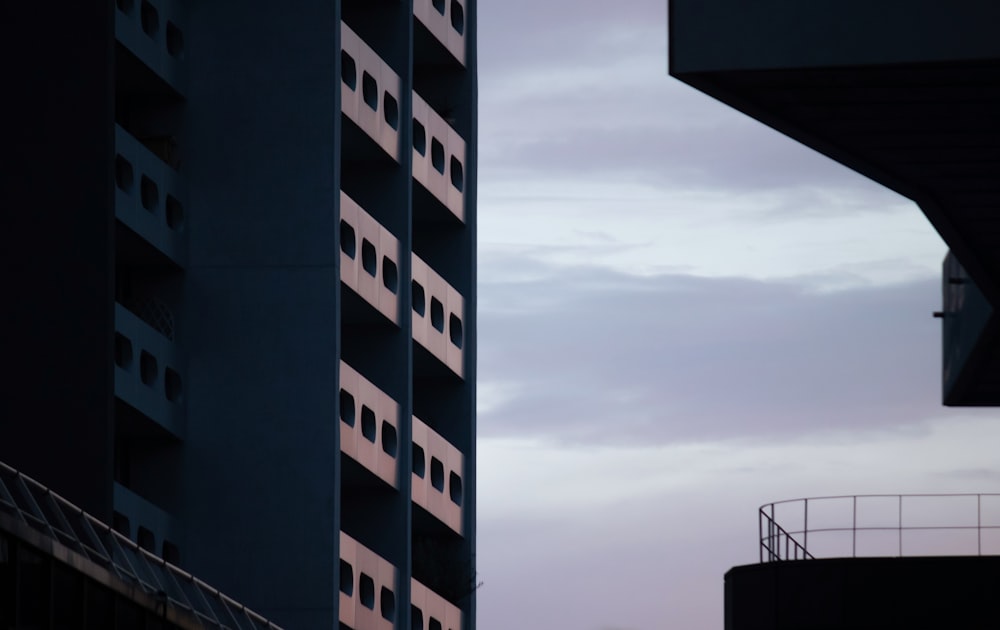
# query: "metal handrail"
23, 498
776, 535
791, 542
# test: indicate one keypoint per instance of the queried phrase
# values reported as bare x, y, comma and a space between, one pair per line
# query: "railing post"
771, 542
777, 544
776, 548
805, 524
760, 534
899, 524
854, 527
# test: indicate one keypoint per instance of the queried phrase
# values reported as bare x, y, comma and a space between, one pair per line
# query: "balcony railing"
149, 197
35, 506
152, 31
438, 157
437, 475
445, 19
367, 587
874, 525
369, 258
438, 311
370, 92
148, 373
369, 425
430, 611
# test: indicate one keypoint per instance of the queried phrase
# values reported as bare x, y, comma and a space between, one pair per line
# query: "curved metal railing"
872, 525
36, 506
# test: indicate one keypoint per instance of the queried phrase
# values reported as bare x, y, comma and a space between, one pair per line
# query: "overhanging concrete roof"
904, 92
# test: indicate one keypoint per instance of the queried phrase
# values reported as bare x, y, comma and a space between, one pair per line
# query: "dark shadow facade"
239, 259
833, 593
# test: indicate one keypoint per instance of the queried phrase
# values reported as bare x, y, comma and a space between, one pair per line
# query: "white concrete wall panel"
433, 168
418, 489
369, 232
388, 439
348, 591
455, 172
433, 606
148, 371
361, 608
366, 272
350, 263
434, 329
373, 438
434, 490
456, 11
369, 65
365, 103
149, 197
420, 302
454, 331
350, 95
349, 379
142, 513
446, 25
387, 250
153, 31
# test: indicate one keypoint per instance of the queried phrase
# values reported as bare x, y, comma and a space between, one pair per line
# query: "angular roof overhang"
906, 92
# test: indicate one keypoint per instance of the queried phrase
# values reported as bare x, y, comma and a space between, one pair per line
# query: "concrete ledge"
713, 35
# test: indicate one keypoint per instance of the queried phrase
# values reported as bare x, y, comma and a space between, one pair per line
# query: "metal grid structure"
38, 507
880, 525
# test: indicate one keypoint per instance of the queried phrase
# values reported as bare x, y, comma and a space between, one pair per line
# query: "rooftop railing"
34, 505
873, 525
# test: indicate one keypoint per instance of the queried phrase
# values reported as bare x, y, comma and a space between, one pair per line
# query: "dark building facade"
239, 260
908, 94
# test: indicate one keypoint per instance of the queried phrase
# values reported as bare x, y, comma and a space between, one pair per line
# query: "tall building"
238, 255
907, 93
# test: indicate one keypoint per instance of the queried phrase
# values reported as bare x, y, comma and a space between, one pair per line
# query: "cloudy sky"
683, 315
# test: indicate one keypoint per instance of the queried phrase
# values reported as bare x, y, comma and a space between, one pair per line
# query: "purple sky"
683, 315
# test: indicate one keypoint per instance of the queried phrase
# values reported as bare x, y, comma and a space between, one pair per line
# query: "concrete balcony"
148, 525
430, 611
370, 92
438, 158
148, 371
153, 31
149, 198
446, 21
369, 259
369, 425
438, 312
438, 469
367, 587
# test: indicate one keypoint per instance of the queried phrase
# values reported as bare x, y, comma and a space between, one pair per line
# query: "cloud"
756, 235
588, 355
682, 315
737, 156
517, 33
572, 553
583, 91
